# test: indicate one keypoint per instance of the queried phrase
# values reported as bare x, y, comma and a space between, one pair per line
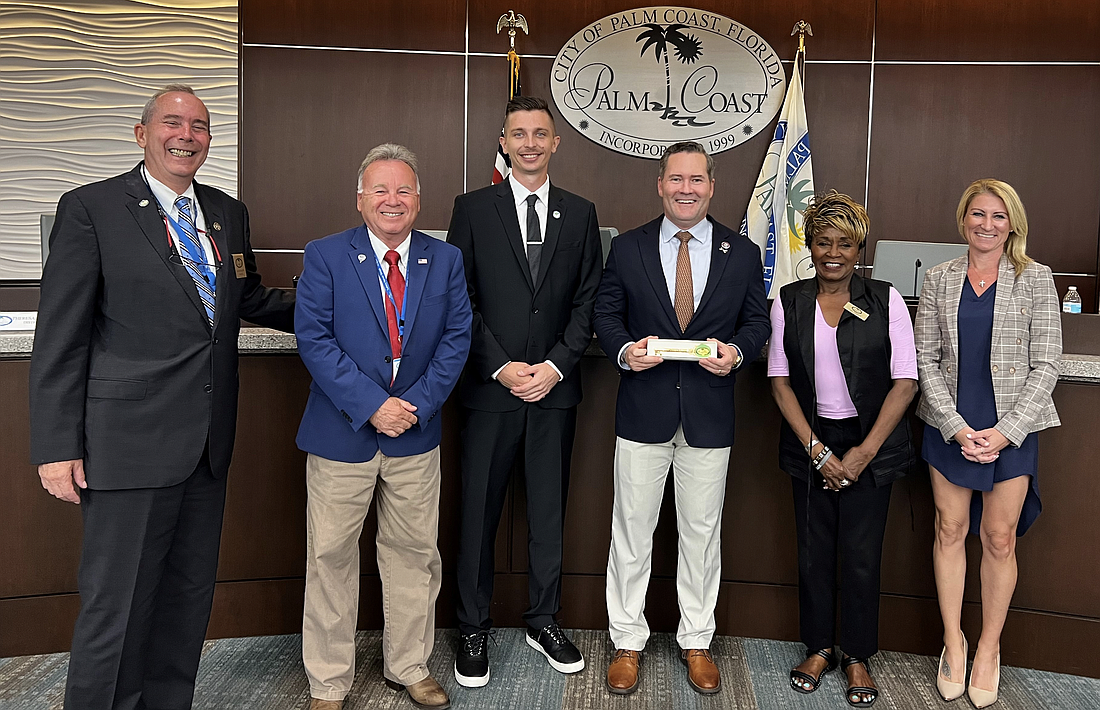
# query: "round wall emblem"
640, 80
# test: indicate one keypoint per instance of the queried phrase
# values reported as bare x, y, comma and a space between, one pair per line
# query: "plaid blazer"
1025, 356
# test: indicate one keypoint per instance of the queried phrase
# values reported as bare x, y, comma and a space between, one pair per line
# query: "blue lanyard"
389, 294
179, 229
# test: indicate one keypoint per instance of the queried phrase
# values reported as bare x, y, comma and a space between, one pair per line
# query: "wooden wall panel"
18, 298
261, 572
938, 128
266, 494
279, 269
624, 188
1060, 555
390, 24
978, 30
842, 30
41, 535
302, 139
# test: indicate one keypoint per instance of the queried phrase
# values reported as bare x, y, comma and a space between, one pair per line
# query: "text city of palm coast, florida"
640, 80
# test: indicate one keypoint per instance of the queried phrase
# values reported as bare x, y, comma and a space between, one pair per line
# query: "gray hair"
687, 147
147, 112
387, 151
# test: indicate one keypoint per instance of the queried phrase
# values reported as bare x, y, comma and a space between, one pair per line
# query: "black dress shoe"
552, 642
472, 660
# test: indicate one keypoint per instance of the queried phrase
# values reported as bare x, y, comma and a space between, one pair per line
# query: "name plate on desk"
18, 320
681, 349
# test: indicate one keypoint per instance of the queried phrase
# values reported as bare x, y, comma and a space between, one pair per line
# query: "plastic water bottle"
1072, 302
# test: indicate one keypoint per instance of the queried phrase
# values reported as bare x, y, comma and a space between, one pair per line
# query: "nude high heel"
950, 690
984, 698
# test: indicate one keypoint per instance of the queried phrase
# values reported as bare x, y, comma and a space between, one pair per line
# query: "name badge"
855, 310
238, 266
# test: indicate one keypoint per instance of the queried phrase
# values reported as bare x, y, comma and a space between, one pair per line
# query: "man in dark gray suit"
133, 394
532, 256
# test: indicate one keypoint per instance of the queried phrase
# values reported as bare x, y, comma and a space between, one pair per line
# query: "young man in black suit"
681, 276
532, 256
133, 397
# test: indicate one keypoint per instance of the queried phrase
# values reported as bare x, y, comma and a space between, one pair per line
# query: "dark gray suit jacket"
126, 373
516, 319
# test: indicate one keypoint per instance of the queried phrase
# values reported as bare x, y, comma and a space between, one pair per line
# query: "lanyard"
389, 294
176, 225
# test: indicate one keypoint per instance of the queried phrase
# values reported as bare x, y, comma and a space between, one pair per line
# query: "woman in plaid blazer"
989, 341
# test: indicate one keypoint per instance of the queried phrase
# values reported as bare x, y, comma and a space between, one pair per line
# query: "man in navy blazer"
383, 325
681, 276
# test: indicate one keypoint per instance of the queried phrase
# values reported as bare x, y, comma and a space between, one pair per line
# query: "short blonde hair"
1016, 246
836, 210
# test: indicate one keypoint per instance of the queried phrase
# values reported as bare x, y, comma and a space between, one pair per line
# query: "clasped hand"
981, 446
528, 382
838, 470
394, 417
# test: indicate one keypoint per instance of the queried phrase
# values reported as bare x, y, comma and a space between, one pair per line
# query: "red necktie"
397, 286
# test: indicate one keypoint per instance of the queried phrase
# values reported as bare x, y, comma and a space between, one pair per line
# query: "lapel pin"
143, 203
362, 258
422, 261
724, 247
557, 214
217, 227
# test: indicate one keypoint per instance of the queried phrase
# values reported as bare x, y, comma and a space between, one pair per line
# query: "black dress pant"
844, 527
490, 442
146, 583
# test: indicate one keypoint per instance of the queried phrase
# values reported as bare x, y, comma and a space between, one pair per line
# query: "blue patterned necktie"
194, 257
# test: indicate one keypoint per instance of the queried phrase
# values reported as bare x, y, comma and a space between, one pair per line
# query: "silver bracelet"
810, 446
820, 464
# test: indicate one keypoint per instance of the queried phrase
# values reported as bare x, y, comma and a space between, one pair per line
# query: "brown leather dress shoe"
622, 674
318, 704
426, 694
703, 676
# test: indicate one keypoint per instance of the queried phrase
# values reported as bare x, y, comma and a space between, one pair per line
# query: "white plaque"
640, 80
681, 349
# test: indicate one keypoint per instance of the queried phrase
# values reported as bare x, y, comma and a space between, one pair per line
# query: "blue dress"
976, 404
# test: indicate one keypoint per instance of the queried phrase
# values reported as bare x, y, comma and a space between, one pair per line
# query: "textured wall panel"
73, 79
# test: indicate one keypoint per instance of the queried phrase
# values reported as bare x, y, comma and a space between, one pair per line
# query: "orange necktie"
685, 297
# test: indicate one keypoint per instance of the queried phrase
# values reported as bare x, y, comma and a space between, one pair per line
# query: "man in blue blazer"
383, 325
682, 276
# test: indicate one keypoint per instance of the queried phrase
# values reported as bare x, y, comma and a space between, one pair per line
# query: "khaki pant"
339, 495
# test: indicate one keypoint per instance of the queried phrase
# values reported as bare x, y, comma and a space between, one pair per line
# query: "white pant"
699, 477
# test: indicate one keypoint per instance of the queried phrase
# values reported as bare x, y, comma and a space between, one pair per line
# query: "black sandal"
798, 678
859, 690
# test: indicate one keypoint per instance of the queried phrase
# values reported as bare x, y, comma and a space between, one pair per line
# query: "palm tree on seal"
688, 49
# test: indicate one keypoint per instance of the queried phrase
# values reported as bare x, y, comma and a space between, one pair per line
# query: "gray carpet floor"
265, 673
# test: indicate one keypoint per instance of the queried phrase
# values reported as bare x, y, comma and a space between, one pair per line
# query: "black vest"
864, 348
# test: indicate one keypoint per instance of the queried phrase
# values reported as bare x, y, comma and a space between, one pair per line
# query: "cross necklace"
981, 281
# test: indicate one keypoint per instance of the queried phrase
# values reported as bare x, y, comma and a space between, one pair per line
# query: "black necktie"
534, 238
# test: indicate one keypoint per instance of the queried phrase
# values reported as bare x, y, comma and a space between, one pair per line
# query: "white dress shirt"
166, 197
699, 252
520, 194
402, 250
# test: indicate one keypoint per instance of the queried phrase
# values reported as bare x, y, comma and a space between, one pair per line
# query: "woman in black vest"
843, 371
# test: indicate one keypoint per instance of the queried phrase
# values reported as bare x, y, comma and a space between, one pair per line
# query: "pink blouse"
833, 400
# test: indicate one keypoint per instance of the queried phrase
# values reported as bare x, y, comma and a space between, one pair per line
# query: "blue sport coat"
633, 302
340, 323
